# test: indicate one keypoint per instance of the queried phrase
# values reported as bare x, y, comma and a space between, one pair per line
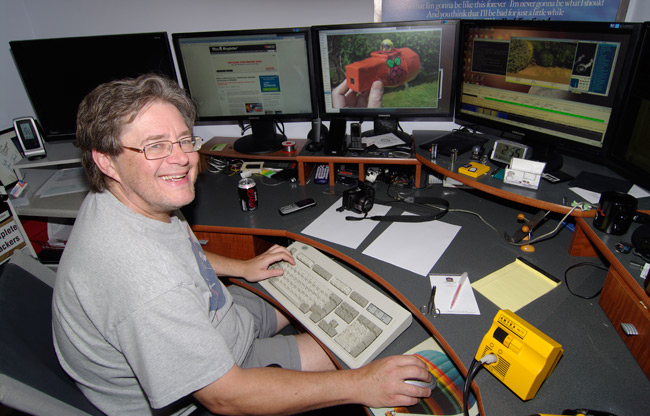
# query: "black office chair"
31, 379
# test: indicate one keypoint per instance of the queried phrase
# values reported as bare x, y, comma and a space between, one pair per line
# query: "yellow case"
526, 356
474, 169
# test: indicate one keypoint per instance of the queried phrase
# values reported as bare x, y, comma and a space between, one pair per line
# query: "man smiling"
140, 319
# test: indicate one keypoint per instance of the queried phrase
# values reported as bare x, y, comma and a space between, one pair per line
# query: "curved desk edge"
602, 248
363, 269
511, 196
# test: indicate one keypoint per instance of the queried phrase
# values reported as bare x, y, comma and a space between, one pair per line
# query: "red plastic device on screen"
393, 67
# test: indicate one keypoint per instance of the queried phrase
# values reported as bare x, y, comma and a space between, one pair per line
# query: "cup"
615, 212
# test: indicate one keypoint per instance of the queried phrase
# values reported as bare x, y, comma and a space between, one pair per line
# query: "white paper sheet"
413, 246
589, 196
638, 192
332, 225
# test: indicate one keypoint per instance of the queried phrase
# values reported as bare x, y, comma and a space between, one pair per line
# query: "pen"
463, 279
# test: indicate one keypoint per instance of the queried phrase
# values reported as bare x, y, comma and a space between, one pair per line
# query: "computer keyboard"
352, 318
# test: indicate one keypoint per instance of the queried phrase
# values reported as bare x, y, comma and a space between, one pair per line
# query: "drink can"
247, 194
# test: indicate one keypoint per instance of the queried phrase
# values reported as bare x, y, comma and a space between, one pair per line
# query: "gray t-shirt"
140, 320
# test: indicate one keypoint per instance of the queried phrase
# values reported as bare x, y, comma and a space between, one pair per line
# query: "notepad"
515, 285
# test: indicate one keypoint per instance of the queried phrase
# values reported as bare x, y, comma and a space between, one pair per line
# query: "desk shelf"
307, 160
60, 155
307, 163
229, 151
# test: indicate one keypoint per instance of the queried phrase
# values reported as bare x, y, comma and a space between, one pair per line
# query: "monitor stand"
263, 139
381, 126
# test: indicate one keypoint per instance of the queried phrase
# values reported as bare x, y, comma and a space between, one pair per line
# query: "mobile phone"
297, 206
29, 137
355, 137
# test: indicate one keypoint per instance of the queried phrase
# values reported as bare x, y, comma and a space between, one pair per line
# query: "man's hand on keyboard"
382, 382
257, 268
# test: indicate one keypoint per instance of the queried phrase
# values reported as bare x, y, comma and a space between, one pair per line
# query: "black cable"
566, 280
471, 372
474, 368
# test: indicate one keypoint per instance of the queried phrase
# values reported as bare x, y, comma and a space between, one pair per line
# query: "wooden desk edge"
511, 196
602, 248
230, 152
358, 266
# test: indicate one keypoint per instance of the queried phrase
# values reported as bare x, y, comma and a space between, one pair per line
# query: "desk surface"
597, 371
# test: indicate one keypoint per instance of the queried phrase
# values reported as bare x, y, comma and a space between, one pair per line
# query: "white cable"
488, 359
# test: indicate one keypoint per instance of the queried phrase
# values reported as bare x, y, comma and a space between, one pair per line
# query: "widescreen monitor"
554, 85
413, 62
58, 73
257, 78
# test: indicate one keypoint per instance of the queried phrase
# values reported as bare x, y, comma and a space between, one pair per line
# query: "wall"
27, 19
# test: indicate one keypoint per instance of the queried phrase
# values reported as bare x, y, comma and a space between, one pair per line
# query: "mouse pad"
447, 397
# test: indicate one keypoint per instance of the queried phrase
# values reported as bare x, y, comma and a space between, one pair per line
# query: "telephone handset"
29, 137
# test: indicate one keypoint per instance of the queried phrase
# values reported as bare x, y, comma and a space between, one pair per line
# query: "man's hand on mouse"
381, 383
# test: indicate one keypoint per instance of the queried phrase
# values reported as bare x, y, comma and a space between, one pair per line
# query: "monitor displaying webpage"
248, 75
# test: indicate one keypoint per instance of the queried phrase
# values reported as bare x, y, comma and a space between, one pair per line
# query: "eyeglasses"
163, 148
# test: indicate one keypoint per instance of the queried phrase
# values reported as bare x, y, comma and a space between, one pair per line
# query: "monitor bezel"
43, 101
244, 118
544, 142
381, 114
638, 92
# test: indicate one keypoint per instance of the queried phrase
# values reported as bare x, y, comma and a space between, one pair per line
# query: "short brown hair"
107, 109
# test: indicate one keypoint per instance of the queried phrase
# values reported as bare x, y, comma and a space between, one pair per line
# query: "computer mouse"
428, 384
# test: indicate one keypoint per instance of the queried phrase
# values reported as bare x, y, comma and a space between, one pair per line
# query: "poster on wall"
11, 233
592, 10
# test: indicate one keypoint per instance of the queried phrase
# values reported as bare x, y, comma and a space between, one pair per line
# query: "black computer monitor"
554, 85
58, 73
629, 151
413, 60
256, 77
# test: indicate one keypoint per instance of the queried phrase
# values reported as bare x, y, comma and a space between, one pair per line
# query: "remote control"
322, 174
297, 206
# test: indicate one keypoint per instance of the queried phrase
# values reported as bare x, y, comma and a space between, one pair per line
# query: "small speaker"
335, 143
314, 134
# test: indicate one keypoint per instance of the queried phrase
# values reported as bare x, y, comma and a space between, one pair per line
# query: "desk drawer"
621, 304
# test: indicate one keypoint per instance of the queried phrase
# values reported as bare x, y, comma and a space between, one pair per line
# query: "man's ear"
106, 164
